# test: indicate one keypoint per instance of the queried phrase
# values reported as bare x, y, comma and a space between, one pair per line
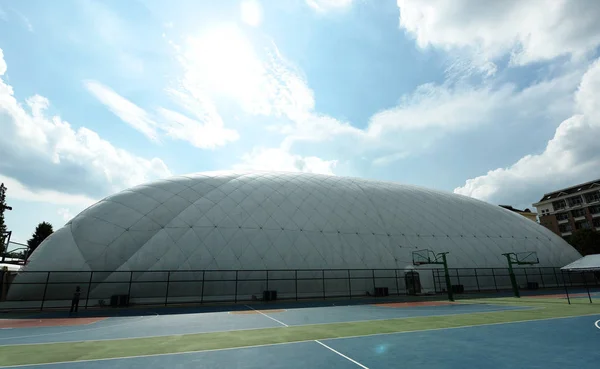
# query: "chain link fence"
46, 290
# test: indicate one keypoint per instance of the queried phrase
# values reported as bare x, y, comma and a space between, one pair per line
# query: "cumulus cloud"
571, 156
529, 31
323, 6
430, 112
46, 156
281, 160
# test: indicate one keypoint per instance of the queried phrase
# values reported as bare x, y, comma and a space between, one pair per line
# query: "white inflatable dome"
287, 221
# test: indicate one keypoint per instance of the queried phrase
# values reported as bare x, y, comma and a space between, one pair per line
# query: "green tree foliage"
586, 241
43, 230
2, 208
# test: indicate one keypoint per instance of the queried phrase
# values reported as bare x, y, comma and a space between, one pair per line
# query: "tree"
3, 207
586, 241
43, 230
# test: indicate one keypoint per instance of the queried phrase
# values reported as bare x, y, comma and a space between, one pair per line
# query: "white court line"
75, 331
289, 325
158, 355
260, 312
463, 326
282, 343
342, 355
597, 324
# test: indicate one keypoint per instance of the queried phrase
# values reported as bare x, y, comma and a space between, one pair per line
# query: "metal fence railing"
43, 290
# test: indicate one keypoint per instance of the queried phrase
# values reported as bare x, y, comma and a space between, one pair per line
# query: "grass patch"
73, 351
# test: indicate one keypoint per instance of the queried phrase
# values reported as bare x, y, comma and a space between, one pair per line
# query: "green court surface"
538, 308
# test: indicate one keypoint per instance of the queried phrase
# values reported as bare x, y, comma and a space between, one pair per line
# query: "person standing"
75, 300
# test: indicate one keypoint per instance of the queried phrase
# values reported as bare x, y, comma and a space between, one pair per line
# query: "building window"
578, 213
560, 204
562, 216
582, 225
597, 222
575, 200
592, 196
564, 228
595, 209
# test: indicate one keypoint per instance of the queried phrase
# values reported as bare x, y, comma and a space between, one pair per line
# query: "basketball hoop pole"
511, 273
448, 282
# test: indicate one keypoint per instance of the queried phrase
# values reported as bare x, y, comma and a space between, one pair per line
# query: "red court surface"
37, 323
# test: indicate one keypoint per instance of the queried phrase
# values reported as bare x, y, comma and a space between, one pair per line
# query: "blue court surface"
154, 324
549, 344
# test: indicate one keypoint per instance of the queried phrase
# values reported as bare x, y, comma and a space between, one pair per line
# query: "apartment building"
569, 209
526, 213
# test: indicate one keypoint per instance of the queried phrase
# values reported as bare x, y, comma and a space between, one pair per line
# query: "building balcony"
579, 218
563, 221
564, 234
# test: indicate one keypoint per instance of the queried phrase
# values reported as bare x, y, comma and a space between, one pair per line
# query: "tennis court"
502, 332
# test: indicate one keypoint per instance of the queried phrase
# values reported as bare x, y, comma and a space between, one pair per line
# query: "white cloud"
323, 6
388, 159
278, 159
48, 157
222, 64
204, 136
207, 132
18, 191
2, 63
251, 12
129, 113
571, 156
432, 111
65, 213
529, 31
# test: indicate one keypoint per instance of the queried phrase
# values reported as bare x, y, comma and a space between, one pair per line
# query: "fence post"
494, 276
435, 282
296, 278
556, 277
267, 280
167, 293
87, 296
542, 278
457, 275
45, 288
397, 286
236, 283
477, 279
586, 287
323, 276
526, 276
349, 284
202, 288
373, 272
562, 274
129, 289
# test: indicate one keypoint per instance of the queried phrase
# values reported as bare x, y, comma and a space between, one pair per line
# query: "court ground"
531, 332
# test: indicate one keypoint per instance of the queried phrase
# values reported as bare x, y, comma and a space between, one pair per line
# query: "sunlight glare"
251, 12
224, 61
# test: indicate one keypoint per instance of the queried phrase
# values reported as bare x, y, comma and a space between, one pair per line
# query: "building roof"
273, 220
508, 207
586, 263
571, 190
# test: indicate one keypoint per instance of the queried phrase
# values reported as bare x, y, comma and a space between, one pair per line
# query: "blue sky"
498, 102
